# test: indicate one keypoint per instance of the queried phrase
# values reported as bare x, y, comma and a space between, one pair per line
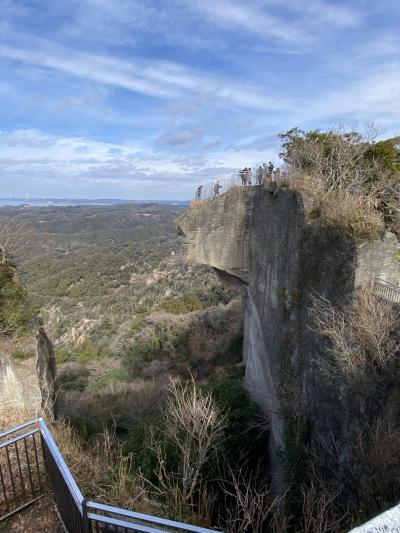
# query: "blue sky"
144, 99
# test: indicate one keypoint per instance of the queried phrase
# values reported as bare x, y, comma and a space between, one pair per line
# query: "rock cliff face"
218, 232
262, 241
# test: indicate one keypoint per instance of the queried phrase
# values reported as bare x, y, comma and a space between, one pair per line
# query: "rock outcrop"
263, 242
47, 374
218, 232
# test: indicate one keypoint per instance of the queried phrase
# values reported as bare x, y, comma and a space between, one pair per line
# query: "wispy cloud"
247, 17
133, 93
161, 79
375, 96
76, 160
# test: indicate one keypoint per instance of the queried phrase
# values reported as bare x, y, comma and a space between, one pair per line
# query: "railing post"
85, 518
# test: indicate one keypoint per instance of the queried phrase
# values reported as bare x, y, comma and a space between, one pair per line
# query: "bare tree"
362, 337
15, 237
319, 513
335, 159
250, 503
196, 427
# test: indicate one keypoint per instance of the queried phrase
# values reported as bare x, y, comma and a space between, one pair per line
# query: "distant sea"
62, 202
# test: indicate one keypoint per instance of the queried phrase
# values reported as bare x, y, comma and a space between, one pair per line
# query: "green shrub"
179, 306
244, 441
73, 378
64, 355
138, 443
23, 353
117, 375
218, 294
87, 351
245, 435
16, 312
163, 344
138, 354
83, 353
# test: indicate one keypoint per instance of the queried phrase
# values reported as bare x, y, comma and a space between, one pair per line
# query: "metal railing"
31, 463
207, 190
22, 472
387, 291
237, 179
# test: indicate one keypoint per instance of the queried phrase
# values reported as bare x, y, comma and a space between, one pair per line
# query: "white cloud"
375, 96
160, 79
327, 13
249, 17
80, 163
268, 18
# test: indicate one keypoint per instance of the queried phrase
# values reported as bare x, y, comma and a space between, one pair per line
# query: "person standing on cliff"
259, 176
217, 188
198, 192
242, 174
249, 177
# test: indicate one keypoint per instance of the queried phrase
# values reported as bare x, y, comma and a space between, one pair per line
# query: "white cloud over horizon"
149, 98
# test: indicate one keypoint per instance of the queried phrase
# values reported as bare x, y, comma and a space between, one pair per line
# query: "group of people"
265, 174
246, 176
216, 188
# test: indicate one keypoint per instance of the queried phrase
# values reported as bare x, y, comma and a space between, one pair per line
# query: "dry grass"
10, 418
377, 447
363, 352
14, 467
363, 338
196, 203
355, 216
101, 471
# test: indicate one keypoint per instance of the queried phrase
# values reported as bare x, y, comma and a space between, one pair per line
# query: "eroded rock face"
47, 374
263, 240
218, 232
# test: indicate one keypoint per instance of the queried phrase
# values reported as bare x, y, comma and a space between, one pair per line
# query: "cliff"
262, 242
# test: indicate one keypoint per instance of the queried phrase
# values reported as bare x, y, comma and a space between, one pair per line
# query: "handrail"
73, 507
18, 428
19, 437
388, 284
64, 470
147, 518
122, 523
386, 290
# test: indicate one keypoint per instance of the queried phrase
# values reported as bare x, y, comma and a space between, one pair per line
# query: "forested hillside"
118, 298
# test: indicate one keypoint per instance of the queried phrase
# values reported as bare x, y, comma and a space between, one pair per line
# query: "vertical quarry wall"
261, 240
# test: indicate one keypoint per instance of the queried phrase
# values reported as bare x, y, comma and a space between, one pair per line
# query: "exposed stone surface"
218, 234
263, 239
379, 259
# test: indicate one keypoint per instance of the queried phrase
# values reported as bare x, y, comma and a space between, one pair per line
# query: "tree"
336, 159
15, 236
